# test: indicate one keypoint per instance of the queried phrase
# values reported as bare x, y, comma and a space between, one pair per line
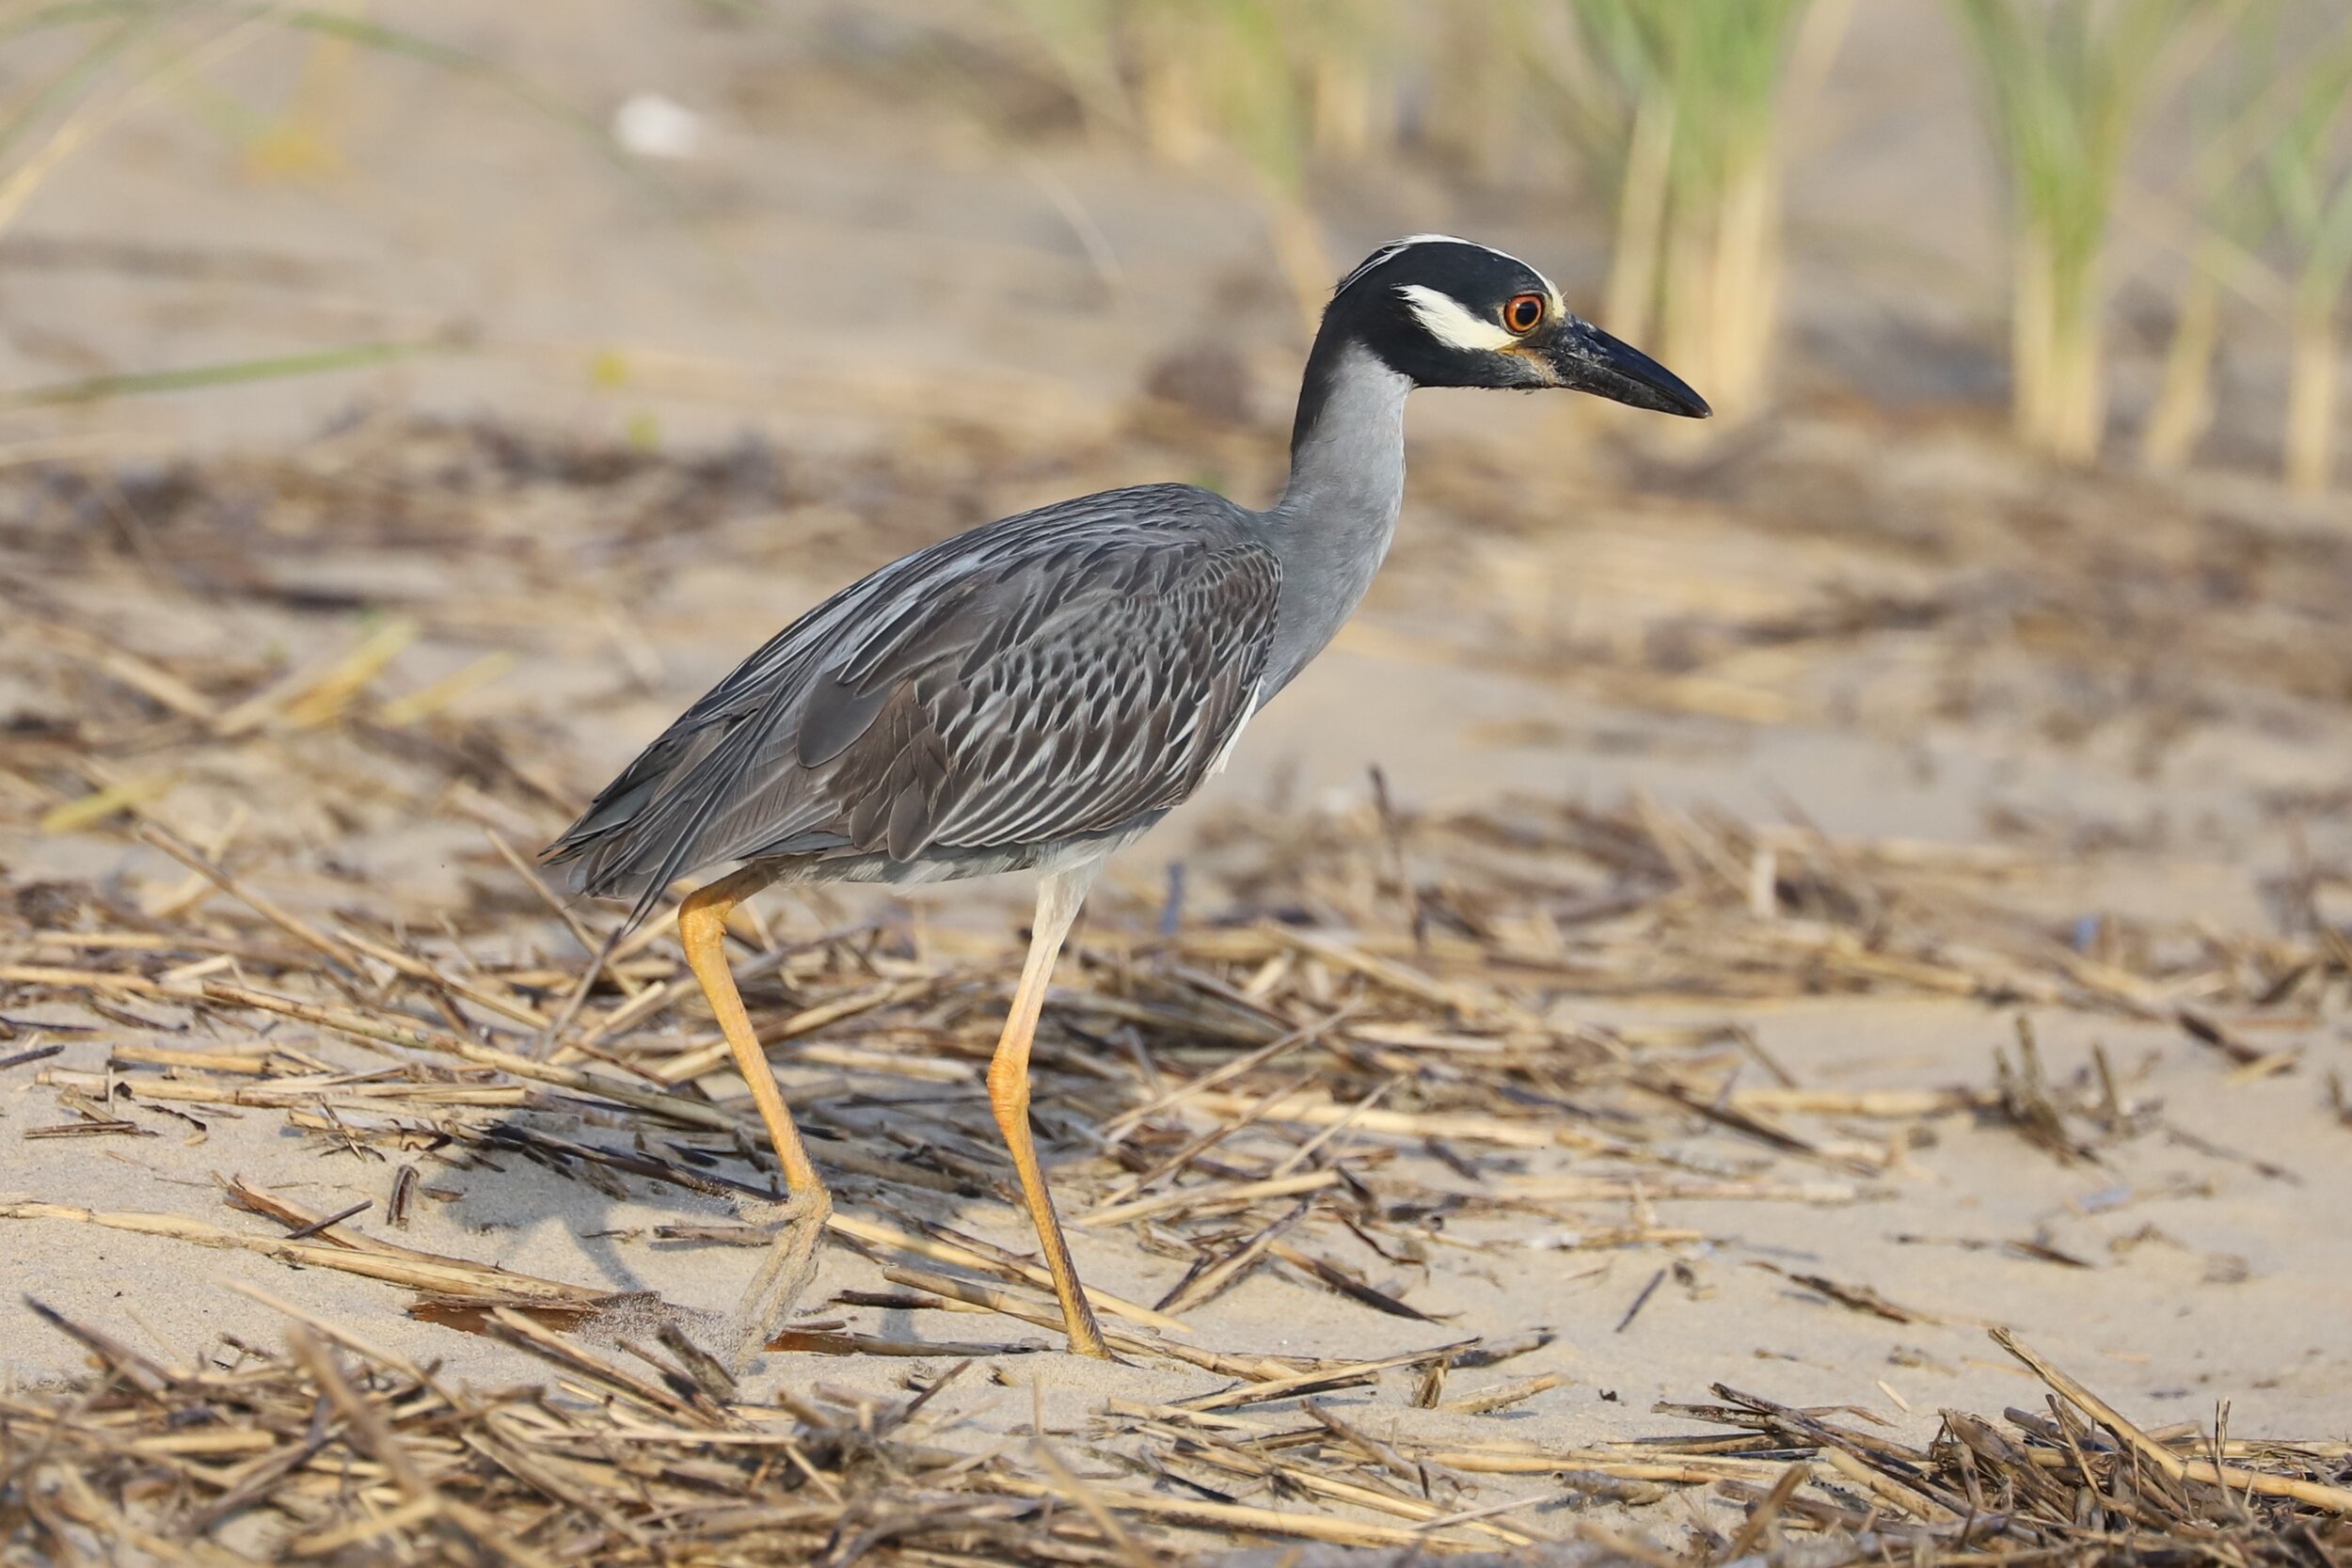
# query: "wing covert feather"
1059, 673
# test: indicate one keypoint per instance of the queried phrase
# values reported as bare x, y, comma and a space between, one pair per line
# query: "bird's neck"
1331, 528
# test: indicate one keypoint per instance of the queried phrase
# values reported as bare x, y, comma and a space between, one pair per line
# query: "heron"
1038, 692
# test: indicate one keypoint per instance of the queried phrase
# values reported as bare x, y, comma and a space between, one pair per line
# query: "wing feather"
1059, 673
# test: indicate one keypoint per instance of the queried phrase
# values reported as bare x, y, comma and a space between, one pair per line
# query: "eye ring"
1523, 313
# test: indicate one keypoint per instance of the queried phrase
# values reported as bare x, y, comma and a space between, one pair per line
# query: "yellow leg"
1059, 896
701, 924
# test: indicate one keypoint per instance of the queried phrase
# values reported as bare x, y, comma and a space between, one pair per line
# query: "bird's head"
1446, 312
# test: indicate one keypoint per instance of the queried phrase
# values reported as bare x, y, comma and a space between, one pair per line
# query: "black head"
1445, 312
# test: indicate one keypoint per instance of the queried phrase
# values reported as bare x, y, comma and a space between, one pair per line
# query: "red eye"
1524, 313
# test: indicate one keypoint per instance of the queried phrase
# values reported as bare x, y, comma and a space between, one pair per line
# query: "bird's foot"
1086, 1340
799, 1222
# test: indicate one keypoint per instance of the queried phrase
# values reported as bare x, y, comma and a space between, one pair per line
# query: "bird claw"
799, 1222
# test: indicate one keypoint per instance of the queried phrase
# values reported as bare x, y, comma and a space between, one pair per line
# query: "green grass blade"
73, 78
229, 372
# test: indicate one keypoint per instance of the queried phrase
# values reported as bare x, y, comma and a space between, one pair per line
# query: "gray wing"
1057, 673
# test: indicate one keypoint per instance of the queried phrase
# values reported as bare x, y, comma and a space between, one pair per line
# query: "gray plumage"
1050, 681
1042, 690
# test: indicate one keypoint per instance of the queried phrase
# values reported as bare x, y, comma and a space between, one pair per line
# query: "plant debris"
1342, 1042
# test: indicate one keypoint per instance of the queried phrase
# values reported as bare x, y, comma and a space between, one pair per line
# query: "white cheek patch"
1397, 248
1449, 321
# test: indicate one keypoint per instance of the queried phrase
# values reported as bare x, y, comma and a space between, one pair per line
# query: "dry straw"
1360, 1024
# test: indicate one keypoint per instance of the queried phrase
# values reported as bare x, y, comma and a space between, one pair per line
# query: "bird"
1038, 692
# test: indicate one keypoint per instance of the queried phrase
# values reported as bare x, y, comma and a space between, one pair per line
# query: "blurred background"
408, 406
605, 337
2128, 221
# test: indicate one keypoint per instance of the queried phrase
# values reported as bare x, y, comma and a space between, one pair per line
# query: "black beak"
1587, 359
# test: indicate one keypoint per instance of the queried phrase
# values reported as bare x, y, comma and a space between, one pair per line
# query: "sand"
1570, 615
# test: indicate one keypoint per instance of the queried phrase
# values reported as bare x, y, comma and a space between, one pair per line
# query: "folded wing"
1052, 676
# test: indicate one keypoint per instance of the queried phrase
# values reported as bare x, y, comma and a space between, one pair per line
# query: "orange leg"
791, 1264
1058, 895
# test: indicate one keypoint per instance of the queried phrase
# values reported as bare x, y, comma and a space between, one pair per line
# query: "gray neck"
1331, 528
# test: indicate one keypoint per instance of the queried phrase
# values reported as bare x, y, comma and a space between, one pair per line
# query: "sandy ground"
2215, 1257
2203, 1257
1516, 646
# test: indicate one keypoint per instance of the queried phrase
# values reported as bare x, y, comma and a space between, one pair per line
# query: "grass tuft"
2065, 85
1676, 107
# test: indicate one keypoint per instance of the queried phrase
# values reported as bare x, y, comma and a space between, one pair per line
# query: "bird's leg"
1058, 895
791, 1262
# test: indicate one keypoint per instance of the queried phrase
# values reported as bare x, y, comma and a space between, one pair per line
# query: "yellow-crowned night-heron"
1038, 692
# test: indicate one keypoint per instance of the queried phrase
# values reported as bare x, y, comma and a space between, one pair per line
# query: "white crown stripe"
1449, 321
1396, 248
1392, 248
